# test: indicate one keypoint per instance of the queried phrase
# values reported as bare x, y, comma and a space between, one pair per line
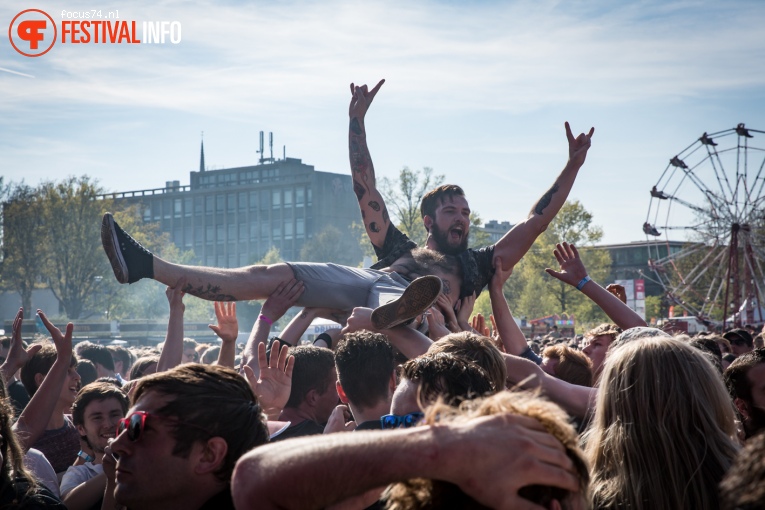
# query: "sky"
477, 90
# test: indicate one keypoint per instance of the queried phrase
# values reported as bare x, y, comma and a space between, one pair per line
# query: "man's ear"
39, 379
341, 393
743, 408
81, 430
392, 383
212, 456
428, 221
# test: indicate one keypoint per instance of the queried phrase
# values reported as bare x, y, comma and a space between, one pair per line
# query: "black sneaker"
416, 299
130, 261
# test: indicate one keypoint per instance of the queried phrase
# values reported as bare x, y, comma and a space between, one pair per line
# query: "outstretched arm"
227, 330
509, 333
373, 212
36, 415
409, 341
511, 451
172, 351
573, 272
514, 245
524, 373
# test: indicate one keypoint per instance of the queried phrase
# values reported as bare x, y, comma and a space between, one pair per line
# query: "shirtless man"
444, 258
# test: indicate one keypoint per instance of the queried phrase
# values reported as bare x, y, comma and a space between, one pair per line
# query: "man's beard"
442, 241
756, 421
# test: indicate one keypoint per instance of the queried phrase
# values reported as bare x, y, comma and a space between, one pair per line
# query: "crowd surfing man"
445, 213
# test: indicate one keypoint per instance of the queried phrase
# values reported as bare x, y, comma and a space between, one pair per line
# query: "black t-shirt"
476, 265
304, 428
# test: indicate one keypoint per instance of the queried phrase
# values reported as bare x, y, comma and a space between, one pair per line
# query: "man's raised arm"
514, 245
374, 215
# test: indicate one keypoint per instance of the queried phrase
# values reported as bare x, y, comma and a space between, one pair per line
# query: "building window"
231, 231
310, 196
177, 207
242, 202
147, 213
299, 228
220, 234
210, 234
276, 232
209, 204
187, 206
188, 241
199, 234
198, 205
167, 206
220, 203
299, 196
287, 197
231, 202
288, 230
243, 232
264, 228
276, 198
253, 200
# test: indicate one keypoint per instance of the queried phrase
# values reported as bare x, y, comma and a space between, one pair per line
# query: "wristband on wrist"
265, 319
582, 282
84, 456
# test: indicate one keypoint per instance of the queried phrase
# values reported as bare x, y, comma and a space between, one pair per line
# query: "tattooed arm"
514, 245
373, 211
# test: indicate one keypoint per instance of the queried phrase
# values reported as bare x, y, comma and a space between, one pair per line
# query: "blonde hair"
420, 493
663, 431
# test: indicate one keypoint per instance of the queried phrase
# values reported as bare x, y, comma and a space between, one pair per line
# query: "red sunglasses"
136, 422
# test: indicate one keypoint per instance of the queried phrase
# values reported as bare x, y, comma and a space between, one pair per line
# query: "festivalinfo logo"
33, 32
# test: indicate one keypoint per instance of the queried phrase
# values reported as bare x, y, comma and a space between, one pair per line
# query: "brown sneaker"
417, 298
130, 261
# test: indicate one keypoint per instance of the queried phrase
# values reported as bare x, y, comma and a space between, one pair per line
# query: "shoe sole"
417, 298
112, 248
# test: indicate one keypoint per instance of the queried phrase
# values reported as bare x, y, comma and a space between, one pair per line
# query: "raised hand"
175, 295
500, 275
578, 147
436, 324
465, 310
62, 341
444, 304
361, 98
572, 270
275, 382
282, 299
340, 420
227, 328
618, 291
479, 324
17, 356
361, 318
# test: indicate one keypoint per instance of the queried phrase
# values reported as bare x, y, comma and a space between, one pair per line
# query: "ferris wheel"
706, 227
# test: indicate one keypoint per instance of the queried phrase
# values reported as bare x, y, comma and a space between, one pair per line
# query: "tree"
23, 253
533, 293
331, 245
403, 196
71, 213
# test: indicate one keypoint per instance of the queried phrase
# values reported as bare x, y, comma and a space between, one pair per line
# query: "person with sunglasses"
178, 444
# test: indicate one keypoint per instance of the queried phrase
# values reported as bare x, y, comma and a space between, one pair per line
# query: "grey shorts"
344, 288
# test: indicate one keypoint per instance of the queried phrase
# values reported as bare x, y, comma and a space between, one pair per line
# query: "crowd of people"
413, 402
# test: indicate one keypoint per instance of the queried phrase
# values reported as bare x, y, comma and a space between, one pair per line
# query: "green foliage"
478, 238
653, 308
23, 228
403, 196
331, 245
533, 293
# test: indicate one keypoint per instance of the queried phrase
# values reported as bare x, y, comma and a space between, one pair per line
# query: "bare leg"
221, 284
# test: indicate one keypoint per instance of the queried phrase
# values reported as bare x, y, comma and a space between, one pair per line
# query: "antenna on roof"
260, 160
